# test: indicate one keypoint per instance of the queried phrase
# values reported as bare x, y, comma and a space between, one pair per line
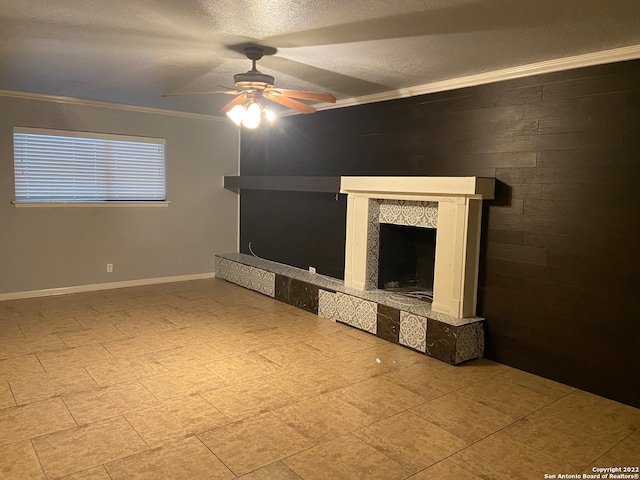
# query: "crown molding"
631, 52
116, 106
621, 54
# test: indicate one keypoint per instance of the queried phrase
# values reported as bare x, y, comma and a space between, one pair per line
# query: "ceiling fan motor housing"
253, 79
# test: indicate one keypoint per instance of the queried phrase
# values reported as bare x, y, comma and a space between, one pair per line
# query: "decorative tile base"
297, 293
388, 323
328, 305
413, 331
357, 312
470, 342
246, 276
454, 344
448, 339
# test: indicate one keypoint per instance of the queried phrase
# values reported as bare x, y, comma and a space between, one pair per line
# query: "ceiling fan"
254, 86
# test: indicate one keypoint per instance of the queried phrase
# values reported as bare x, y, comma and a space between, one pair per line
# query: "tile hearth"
393, 317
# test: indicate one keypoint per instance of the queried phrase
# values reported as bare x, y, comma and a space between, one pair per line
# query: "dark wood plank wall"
560, 263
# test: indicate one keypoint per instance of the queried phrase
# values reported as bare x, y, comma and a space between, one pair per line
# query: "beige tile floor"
207, 380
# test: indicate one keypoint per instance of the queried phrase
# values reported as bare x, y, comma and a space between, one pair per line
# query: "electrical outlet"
109, 267
312, 269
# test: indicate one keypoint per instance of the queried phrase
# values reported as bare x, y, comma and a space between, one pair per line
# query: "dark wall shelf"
284, 183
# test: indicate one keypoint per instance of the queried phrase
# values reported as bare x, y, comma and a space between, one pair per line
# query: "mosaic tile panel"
328, 304
396, 212
413, 331
357, 312
470, 342
224, 269
410, 213
262, 281
246, 276
373, 244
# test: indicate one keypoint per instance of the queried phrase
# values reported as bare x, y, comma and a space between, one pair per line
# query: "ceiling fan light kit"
249, 113
250, 116
253, 87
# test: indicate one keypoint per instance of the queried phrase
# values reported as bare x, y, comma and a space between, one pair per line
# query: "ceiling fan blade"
291, 103
228, 92
315, 96
239, 100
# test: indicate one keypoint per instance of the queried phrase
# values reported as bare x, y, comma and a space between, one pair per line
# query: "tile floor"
207, 380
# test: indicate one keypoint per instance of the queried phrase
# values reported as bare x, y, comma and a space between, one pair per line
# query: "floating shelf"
286, 183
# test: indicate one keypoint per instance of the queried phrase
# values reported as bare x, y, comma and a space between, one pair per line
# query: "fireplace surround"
451, 205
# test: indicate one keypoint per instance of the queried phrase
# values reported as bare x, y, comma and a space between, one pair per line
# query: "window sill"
89, 204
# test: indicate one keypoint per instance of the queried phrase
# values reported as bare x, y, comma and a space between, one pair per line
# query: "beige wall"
42, 248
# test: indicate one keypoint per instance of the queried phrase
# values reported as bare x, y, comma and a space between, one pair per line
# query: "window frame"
105, 202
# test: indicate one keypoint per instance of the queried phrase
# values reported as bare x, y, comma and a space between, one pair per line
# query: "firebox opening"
407, 259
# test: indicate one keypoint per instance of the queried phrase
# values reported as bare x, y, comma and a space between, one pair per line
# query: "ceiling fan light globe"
252, 117
237, 114
269, 115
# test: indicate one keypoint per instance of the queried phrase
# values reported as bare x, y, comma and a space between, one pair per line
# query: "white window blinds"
62, 166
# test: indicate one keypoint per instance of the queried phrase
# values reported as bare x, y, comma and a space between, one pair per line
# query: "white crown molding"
621, 54
48, 292
631, 52
116, 106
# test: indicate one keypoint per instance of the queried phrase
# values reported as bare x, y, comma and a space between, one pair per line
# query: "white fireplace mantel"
454, 207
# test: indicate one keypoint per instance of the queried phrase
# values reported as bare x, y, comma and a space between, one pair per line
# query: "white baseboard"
47, 292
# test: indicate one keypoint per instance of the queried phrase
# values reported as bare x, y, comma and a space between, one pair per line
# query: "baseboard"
47, 292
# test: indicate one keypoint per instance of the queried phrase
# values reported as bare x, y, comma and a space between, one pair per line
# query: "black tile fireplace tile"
282, 288
388, 323
441, 340
297, 293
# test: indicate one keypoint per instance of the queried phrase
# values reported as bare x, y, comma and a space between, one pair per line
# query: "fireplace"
443, 216
450, 205
407, 260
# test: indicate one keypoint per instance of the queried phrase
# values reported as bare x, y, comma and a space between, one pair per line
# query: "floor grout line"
38, 458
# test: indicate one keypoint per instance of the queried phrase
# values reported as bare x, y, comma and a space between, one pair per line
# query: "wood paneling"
559, 141
567, 175
517, 253
560, 259
591, 85
509, 237
598, 242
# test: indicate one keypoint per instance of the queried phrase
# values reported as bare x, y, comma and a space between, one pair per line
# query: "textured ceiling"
132, 52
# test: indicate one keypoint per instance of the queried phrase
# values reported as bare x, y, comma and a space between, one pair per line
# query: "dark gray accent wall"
43, 248
560, 258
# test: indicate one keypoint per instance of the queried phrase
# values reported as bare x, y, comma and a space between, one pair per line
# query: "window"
53, 166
